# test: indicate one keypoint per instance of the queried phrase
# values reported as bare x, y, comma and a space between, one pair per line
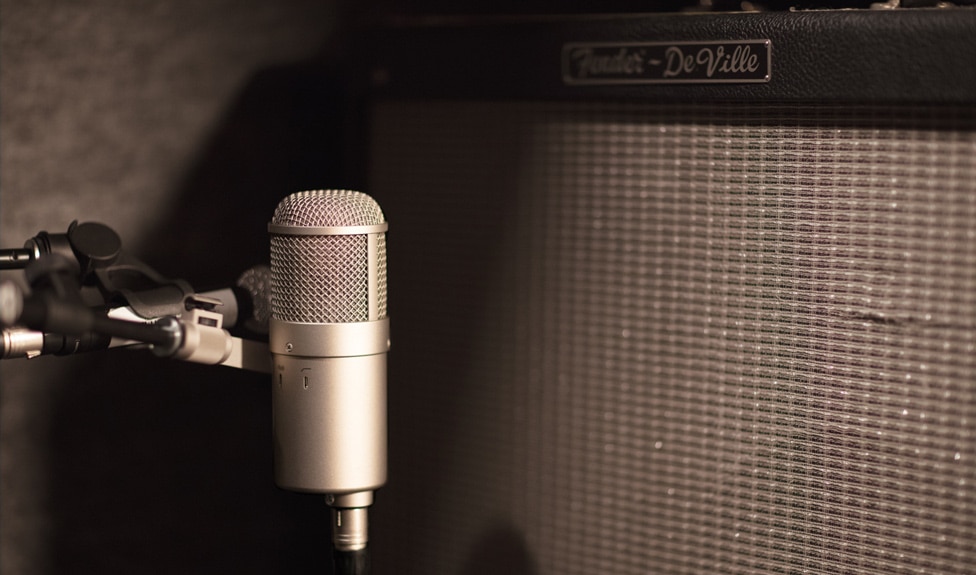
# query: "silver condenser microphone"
329, 336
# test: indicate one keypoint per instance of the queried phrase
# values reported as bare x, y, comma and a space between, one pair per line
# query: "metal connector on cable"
350, 531
197, 337
22, 342
350, 519
50, 314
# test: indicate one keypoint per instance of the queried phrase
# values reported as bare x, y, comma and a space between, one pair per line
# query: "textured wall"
153, 117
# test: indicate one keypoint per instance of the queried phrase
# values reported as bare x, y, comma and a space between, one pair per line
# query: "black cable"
48, 314
351, 562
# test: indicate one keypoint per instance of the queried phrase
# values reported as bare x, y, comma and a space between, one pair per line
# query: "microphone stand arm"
61, 267
197, 336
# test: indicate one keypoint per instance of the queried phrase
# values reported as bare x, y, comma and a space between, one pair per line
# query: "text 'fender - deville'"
741, 61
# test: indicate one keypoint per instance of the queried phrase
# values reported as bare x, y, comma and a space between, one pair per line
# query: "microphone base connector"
350, 520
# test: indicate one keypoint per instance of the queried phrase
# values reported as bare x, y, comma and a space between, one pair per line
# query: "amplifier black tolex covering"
679, 293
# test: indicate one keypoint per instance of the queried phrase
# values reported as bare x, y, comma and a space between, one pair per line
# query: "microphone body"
329, 412
329, 336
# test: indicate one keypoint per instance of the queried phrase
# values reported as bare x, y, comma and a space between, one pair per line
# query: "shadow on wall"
283, 134
162, 467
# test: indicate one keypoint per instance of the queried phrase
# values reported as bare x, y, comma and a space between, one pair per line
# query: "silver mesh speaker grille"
325, 278
691, 340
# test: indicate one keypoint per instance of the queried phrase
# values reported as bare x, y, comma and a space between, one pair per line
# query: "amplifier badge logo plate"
743, 61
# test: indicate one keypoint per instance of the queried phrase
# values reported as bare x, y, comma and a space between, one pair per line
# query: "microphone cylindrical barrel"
330, 423
328, 335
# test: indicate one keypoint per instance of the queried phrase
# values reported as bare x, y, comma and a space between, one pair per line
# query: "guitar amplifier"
678, 293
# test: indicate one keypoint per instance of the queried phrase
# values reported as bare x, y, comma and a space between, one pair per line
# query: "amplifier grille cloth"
693, 339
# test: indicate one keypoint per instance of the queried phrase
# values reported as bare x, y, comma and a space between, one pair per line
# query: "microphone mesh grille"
256, 281
328, 208
325, 278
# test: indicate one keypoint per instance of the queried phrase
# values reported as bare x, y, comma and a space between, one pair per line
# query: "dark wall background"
180, 125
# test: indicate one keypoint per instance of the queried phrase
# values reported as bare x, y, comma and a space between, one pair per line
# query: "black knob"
95, 245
